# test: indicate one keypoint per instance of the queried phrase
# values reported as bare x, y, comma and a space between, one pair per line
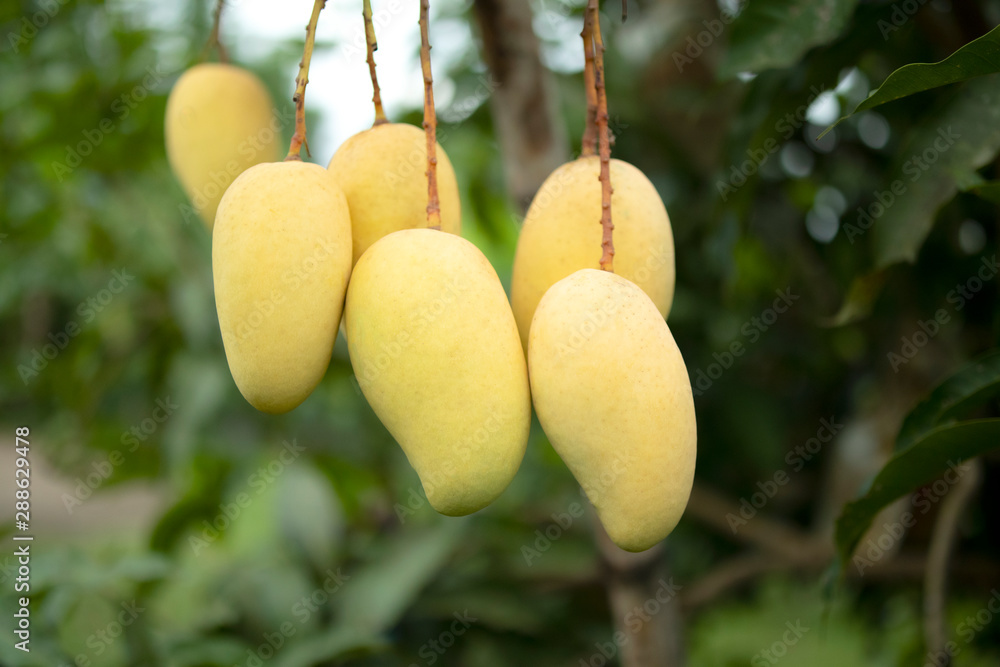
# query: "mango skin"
562, 234
281, 259
219, 122
613, 396
436, 353
382, 171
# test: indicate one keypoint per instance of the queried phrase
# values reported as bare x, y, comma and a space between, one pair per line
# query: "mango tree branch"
213, 37
299, 138
942, 543
604, 141
430, 121
589, 146
372, 48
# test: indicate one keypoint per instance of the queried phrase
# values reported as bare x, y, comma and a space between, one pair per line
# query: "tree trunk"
525, 112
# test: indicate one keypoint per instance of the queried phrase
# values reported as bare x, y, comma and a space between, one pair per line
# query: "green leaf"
375, 598
939, 449
977, 58
941, 155
776, 33
338, 644
971, 386
310, 514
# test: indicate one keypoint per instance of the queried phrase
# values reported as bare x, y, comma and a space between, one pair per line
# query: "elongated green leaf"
938, 450
316, 534
971, 386
941, 156
977, 58
336, 645
776, 33
375, 598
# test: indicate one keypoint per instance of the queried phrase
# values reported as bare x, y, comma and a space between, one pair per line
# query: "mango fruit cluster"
448, 364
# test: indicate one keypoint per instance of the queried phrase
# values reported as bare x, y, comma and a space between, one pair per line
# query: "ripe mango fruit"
436, 353
562, 234
281, 259
219, 122
382, 171
613, 396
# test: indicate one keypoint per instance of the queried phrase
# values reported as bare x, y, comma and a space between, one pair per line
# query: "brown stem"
299, 138
430, 121
624, 11
213, 37
589, 146
942, 542
604, 141
372, 48
776, 538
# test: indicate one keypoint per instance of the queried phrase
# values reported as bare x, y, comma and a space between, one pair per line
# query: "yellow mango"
281, 259
613, 396
436, 353
382, 171
562, 234
219, 122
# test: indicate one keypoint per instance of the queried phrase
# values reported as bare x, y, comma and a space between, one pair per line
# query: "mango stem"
372, 48
430, 121
589, 144
213, 37
604, 141
299, 98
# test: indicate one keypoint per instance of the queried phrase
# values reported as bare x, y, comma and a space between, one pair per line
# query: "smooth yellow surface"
436, 352
612, 394
562, 234
219, 122
281, 258
383, 173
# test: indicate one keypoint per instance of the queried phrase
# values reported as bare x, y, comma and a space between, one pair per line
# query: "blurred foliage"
335, 556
